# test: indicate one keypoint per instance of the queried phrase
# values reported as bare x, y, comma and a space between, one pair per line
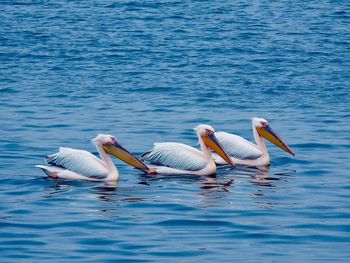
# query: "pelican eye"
209, 132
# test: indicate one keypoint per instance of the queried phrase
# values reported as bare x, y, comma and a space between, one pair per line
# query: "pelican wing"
79, 161
176, 155
238, 147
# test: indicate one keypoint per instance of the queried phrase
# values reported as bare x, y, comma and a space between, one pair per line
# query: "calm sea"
149, 71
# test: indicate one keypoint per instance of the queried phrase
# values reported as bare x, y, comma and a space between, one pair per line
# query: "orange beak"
123, 154
212, 142
271, 136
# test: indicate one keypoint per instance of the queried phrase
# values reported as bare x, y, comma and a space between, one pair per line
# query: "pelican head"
264, 130
207, 133
203, 129
104, 139
111, 146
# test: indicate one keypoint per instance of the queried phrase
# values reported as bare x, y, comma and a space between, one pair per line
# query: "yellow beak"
212, 142
123, 154
270, 135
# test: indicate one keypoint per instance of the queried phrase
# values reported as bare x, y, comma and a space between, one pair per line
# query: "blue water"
149, 71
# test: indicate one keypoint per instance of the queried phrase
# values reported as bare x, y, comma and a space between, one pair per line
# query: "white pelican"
243, 152
81, 165
178, 158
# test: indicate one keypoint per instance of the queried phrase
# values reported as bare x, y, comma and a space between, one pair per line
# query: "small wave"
8, 91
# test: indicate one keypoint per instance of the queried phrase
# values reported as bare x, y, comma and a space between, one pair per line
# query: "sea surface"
150, 71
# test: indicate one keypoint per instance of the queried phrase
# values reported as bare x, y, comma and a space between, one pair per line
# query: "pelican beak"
212, 142
123, 154
270, 135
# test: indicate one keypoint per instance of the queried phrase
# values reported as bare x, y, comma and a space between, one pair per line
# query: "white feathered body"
178, 158
76, 164
241, 151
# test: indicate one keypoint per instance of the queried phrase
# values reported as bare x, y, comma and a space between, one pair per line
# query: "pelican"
76, 164
178, 158
243, 152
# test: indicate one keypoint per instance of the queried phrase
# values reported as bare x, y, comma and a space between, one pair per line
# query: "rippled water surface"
149, 71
